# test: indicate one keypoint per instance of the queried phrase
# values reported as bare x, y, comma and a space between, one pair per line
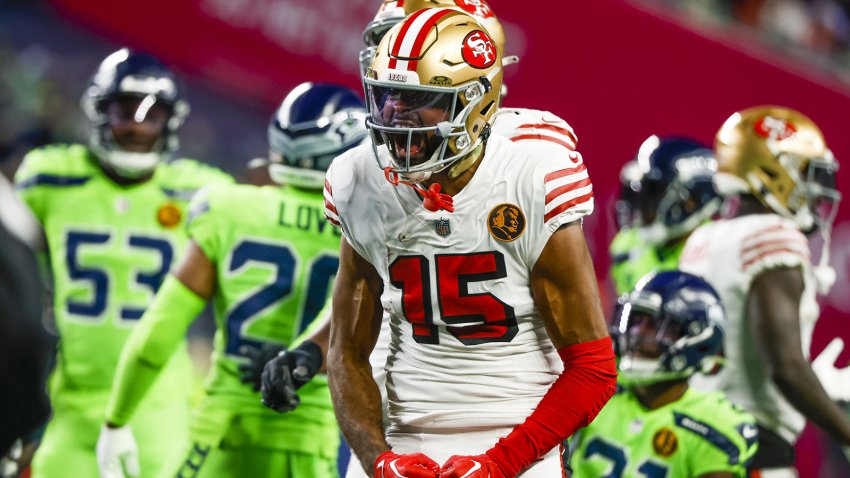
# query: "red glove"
479, 466
414, 465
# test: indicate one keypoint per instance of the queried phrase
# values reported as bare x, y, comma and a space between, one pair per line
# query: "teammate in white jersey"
776, 161
451, 232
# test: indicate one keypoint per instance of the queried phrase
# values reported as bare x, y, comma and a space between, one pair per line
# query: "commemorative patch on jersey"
478, 50
506, 222
168, 215
664, 442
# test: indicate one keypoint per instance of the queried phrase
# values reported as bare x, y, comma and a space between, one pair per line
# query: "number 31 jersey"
468, 345
697, 434
110, 248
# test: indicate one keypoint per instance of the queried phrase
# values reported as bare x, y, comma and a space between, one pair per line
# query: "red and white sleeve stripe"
566, 188
330, 210
775, 245
561, 135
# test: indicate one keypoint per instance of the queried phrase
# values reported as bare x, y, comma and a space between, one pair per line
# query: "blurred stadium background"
617, 70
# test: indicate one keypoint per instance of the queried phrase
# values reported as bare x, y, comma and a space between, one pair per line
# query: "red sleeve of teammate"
589, 379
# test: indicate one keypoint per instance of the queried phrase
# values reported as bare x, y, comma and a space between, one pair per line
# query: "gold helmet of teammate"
779, 156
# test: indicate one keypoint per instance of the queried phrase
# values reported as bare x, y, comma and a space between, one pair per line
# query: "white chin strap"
644, 371
635, 371
131, 165
655, 234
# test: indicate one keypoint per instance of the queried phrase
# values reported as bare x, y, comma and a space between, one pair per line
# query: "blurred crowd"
45, 64
814, 28
40, 85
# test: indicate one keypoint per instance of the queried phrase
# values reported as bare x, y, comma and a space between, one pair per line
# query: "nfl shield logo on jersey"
442, 227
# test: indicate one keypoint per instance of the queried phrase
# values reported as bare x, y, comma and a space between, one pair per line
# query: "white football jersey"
729, 254
467, 344
521, 124
516, 124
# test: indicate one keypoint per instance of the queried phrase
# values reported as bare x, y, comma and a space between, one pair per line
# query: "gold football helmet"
431, 91
779, 156
392, 12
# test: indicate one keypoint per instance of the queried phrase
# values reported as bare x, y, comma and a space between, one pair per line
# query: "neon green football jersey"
109, 248
699, 433
275, 258
633, 258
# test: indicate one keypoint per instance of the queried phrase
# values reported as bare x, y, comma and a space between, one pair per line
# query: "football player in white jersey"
451, 230
775, 160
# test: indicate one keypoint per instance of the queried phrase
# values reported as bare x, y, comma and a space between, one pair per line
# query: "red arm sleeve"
589, 379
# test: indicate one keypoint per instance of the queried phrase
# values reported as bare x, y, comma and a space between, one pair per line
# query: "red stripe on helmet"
399, 38
423, 34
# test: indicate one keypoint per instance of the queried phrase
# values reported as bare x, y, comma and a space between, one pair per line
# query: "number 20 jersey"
275, 258
468, 345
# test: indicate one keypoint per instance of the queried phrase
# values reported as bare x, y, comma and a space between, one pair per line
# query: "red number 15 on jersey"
496, 321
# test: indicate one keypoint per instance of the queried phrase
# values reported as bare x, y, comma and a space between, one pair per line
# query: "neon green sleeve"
153, 341
26, 184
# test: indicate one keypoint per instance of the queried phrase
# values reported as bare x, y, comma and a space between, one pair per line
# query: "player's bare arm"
565, 292
773, 305
717, 474
565, 289
196, 271
354, 330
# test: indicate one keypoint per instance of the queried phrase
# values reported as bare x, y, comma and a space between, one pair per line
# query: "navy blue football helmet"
627, 207
128, 74
314, 124
670, 327
676, 189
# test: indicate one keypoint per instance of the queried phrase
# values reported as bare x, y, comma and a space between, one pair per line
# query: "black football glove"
287, 372
252, 371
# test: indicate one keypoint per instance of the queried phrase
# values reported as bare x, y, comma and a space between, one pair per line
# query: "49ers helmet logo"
478, 8
774, 128
478, 50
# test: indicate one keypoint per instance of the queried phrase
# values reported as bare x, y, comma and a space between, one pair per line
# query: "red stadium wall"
617, 71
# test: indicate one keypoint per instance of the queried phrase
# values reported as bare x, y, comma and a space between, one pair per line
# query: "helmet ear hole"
486, 109
770, 174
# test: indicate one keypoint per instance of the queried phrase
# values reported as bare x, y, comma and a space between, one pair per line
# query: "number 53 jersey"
110, 248
467, 343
